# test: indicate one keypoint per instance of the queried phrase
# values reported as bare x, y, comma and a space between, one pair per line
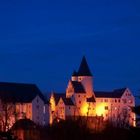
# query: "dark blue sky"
42, 42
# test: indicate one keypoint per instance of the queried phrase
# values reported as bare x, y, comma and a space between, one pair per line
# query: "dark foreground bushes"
76, 130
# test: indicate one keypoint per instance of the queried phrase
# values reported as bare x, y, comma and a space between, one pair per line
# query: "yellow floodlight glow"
100, 109
52, 103
84, 109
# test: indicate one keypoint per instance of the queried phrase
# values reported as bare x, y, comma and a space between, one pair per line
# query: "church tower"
85, 77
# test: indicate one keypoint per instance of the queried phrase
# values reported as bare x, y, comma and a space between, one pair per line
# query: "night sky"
42, 42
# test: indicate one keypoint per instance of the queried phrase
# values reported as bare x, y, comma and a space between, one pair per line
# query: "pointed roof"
57, 96
84, 68
67, 101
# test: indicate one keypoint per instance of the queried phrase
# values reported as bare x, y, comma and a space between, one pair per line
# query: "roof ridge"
17, 83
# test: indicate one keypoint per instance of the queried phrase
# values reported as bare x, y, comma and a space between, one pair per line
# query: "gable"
66, 101
60, 102
57, 97
37, 100
70, 88
127, 94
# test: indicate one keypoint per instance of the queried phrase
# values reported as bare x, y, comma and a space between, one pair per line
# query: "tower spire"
84, 68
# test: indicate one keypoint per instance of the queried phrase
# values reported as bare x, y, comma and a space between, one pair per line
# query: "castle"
80, 99
26, 101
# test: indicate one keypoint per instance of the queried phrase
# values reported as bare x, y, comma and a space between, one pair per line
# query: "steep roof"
68, 101
19, 92
84, 68
78, 87
91, 99
57, 96
117, 93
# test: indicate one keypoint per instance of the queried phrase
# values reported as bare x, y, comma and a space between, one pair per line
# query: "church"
80, 100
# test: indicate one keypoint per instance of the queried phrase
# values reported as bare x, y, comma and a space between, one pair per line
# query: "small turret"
74, 76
